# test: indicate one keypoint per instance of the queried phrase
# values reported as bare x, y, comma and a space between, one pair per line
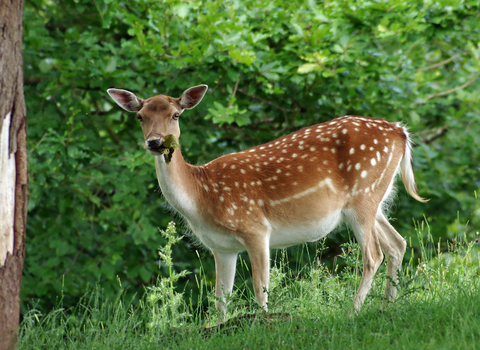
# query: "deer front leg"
225, 265
259, 254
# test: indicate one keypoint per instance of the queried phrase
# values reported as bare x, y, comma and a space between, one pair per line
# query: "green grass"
437, 308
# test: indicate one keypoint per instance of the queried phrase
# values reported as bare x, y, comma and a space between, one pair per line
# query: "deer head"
158, 115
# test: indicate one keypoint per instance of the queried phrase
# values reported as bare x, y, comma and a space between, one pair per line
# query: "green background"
272, 68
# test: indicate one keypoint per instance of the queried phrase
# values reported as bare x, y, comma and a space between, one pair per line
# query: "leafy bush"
272, 67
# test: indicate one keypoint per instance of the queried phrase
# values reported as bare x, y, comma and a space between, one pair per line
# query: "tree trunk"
13, 169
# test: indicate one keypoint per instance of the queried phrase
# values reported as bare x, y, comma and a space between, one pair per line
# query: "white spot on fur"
364, 173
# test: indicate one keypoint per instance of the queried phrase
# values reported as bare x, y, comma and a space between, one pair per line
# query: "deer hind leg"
225, 266
372, 255
394, 246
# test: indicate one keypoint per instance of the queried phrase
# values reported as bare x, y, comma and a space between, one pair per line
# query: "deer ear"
192, 97
126, 99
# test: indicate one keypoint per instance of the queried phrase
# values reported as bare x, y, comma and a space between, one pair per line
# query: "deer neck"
177, 181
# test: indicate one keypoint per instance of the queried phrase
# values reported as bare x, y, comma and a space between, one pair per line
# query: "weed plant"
310, 307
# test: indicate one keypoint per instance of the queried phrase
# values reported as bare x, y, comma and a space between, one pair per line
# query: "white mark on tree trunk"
7, 191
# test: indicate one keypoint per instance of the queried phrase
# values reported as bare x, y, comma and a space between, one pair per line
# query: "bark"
13, 169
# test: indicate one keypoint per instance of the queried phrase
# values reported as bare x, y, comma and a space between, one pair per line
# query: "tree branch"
470, 81
436, 65
234, 92
430, 135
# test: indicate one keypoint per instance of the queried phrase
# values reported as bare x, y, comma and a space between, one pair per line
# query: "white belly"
286, 236
281, 236
214, 239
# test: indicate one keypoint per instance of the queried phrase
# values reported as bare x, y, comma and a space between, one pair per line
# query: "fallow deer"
292, 190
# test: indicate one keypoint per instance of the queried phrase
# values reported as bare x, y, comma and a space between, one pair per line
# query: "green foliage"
164, 302
272, 67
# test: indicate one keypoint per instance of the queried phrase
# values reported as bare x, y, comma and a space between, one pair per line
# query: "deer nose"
154, 144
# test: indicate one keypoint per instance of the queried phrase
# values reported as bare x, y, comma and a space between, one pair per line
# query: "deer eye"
139, 117
175, 116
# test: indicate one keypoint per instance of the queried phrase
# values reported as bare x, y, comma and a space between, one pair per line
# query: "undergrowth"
309, 307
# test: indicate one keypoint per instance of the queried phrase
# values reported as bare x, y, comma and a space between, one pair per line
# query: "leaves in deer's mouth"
169, 146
